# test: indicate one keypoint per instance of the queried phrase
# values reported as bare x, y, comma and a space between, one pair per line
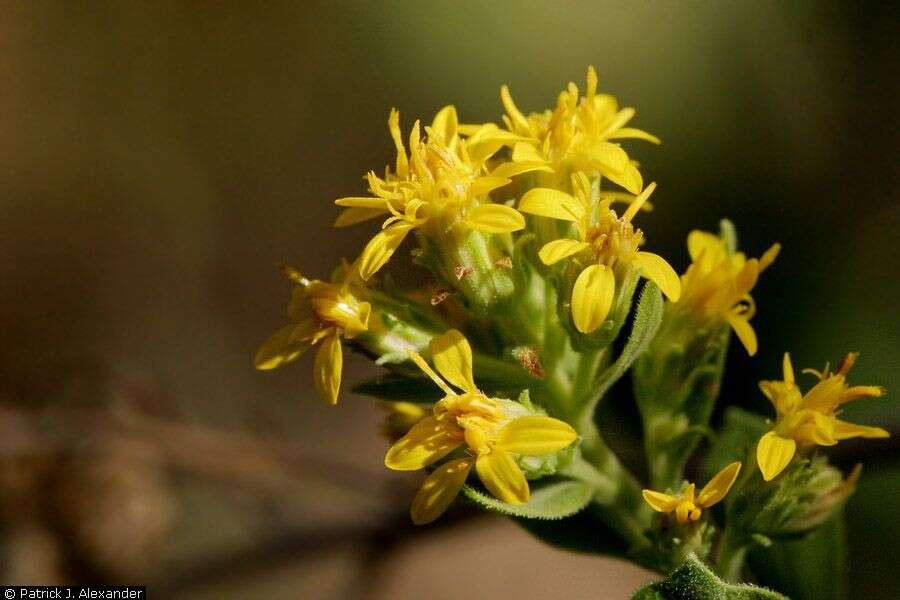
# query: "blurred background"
158, 159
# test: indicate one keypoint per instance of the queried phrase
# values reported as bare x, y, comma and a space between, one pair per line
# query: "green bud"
398, 324
476, 264
805, 496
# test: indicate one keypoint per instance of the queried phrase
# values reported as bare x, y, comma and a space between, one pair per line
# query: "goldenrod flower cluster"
531, 263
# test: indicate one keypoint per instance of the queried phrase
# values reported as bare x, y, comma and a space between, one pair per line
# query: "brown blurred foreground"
105, 491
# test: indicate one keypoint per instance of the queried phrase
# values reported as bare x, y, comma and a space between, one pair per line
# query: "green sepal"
694, 581
549, 501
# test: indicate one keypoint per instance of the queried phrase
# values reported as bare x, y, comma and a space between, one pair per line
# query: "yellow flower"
486, 428
810, 419
604, 241
439, 186
717, 284
576, 136
319, 312
687, 508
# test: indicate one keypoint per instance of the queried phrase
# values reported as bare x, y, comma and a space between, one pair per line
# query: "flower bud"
805, 496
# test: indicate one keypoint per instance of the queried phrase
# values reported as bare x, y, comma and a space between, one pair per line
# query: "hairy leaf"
549, 501
694, 581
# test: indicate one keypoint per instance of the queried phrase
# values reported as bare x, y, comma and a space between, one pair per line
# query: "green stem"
613, 502
627, 496
731, 555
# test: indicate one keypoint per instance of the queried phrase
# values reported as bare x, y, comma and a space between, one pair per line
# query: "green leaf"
398, 387
549, 501
694, 581
647, 319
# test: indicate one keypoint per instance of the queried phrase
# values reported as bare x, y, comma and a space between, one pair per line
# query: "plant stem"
731, 555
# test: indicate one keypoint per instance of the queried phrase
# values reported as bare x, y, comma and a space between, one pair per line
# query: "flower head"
320, 313
576, 136
605, 241
717, 284
685, 505
439, 185
485, 427
810, 419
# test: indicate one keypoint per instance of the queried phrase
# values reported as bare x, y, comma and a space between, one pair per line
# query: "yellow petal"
380, 249
609, 157
511, 169
592, 297
825, 395
469, 129
512, 111
485, 185
788, 369
394, 127
536, 435
632, 133
546, 202
844, 430
629, 178
364, 202
452, 356
495, 218
555, 251
439, 490
638, 202
502, 476
620, 119
525, 152
428, 441
656, 269
354, 215
856, 392
769, 257
773, 453
327, 368
744, 331
816, 428
700, 242
420, 362
688, 492
747, 277
487, 140
718, 486
660, 502
285, 345
785, 397
445, 124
